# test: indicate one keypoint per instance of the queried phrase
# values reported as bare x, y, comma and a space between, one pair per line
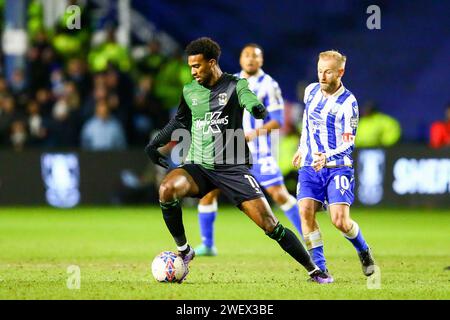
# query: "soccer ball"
168, 267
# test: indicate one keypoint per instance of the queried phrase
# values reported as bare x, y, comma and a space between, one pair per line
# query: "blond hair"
339, 57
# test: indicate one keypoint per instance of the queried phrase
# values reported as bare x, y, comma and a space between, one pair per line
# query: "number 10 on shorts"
341, 182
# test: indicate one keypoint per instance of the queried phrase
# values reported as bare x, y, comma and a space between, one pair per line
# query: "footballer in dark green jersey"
211, 110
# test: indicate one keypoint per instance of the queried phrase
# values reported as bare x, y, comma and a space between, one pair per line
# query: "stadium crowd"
71, 93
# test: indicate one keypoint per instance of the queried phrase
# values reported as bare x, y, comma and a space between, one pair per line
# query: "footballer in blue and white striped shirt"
326, 175
258, 136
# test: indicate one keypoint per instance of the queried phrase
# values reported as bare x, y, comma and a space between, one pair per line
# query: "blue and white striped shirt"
269, 93
329, 126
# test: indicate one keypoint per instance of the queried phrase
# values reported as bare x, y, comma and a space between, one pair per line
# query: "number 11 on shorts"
253, 182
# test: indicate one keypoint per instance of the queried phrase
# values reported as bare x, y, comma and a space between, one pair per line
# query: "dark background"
404, 66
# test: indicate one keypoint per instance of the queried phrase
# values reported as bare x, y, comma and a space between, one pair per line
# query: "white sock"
208, 208
353, 232
313, 239
289, 204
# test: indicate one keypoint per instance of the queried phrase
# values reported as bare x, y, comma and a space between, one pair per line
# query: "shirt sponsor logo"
211, 122
354, 122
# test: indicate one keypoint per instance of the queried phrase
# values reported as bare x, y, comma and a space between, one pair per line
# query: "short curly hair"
205, 46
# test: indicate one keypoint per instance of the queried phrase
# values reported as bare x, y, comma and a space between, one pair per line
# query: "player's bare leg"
340, 216
177, 185
210, 198
174, 187
260, 212
207, 212
311, 231
280, 195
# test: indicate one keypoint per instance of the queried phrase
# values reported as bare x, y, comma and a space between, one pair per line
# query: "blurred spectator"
72, 96
440, 131
8, 115
57, 82
152, 62
169, 82
99, 92
148, 112
37, 125
18, 136
4, 91
18, 83
103, 131
45, 100
109, 52
18, 87
376, 129
41, 60
64, 124
120, 94
76, 71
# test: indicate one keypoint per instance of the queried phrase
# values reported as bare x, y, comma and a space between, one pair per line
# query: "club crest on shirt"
223, 99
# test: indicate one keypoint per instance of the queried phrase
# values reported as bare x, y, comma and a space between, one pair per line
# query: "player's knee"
341, 223
306, 212
167, 192
280, 197
338, 223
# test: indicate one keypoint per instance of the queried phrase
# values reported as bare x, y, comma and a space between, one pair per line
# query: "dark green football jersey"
214, 116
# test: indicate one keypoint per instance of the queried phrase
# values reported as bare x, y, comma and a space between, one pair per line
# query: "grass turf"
114, 248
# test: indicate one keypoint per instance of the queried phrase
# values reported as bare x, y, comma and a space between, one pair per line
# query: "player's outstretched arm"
161, 139
182, 120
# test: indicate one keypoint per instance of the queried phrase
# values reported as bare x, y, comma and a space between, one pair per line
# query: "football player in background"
257, 134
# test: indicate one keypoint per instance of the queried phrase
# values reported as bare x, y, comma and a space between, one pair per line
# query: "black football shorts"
236, 182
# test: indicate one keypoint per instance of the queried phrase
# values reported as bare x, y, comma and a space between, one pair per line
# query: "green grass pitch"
114, 247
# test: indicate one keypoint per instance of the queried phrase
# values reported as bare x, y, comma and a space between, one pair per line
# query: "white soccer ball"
168, 267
